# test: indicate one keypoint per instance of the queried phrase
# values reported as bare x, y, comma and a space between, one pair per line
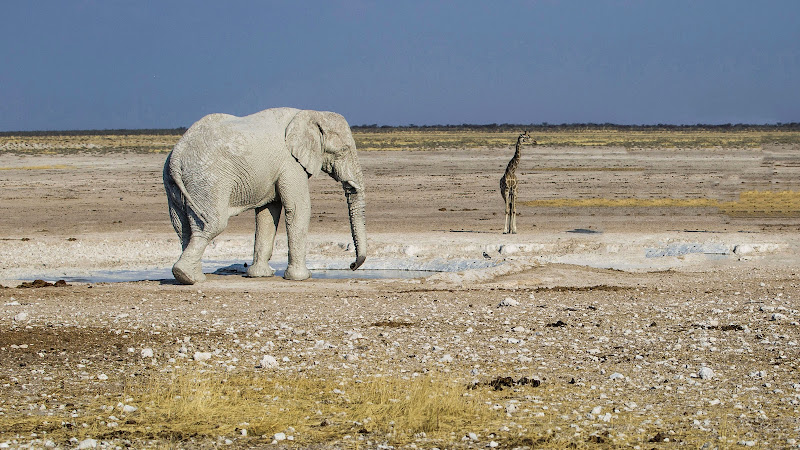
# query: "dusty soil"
626, 308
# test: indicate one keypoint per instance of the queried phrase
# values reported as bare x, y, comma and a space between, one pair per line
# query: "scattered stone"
279, 437
87, 443
41, 284
616, 376
202, 356
556, 324
509, 249
147, 352
500, 382
102, 377
659, 437
508, 301
268, 362
778, 317
705, 373
21, 317
129, 408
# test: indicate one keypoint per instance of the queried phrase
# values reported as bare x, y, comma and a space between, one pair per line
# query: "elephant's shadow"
232, 269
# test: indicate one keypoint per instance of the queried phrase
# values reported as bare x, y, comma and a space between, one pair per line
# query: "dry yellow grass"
689, 138
749, 204
43, 167
432, 410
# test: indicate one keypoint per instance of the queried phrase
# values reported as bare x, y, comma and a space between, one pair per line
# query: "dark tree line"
492, 127
507, 127
118, 132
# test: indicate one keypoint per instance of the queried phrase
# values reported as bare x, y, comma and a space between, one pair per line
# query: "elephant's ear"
304, 140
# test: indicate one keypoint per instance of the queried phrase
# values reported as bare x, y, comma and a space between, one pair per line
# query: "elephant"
224, 165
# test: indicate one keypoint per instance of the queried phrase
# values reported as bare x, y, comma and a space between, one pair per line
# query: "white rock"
446, 358
616, 376
129, 408
147, 352
705, 373
102, 377
21, 317
269, 362
87, 443
202, 356
597, 410
508, 301
511, 408
743, 249
322, 345
509, 249
279, 436
778, 317
472, 436
410, 250
518, 329
493, 444
12, 303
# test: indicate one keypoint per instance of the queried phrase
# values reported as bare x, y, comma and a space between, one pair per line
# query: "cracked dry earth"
692, 350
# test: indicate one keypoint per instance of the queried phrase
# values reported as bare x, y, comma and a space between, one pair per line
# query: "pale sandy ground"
653, 295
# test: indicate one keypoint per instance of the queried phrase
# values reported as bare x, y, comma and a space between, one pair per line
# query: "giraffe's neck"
512, 165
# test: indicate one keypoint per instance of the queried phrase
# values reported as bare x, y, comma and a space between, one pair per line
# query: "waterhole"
333, 269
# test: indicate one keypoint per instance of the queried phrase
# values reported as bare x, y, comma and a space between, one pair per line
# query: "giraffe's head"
525, 137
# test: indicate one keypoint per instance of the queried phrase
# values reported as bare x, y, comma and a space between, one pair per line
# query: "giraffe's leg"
513, 212
507, 225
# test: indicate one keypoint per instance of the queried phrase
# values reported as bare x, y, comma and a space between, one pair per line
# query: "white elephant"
224, 165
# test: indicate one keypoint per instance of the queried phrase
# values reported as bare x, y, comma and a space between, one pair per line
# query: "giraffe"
508, 186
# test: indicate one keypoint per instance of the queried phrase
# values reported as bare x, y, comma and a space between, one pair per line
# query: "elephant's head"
322, 141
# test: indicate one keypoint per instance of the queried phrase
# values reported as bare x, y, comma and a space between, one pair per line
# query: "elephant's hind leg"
188, 269
267, 218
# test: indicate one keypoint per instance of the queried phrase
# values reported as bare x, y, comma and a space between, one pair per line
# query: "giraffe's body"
508, 186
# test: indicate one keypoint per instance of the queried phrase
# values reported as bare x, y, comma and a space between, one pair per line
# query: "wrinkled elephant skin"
224, 165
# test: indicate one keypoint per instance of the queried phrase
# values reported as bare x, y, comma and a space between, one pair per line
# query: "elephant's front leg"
294, 194
267, 218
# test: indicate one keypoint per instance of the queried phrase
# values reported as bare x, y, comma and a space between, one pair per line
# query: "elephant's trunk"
358, 223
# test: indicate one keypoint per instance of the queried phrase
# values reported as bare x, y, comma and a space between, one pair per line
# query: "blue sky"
163, 64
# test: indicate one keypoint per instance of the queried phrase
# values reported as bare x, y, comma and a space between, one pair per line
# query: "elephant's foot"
297, 273
186, 275
260, 270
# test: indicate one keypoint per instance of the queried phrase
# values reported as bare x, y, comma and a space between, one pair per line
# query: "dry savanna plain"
651, 299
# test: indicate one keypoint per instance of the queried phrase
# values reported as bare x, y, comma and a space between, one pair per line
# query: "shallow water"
378, 269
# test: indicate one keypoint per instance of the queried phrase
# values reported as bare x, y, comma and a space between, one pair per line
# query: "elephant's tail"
180, 203
175, 199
